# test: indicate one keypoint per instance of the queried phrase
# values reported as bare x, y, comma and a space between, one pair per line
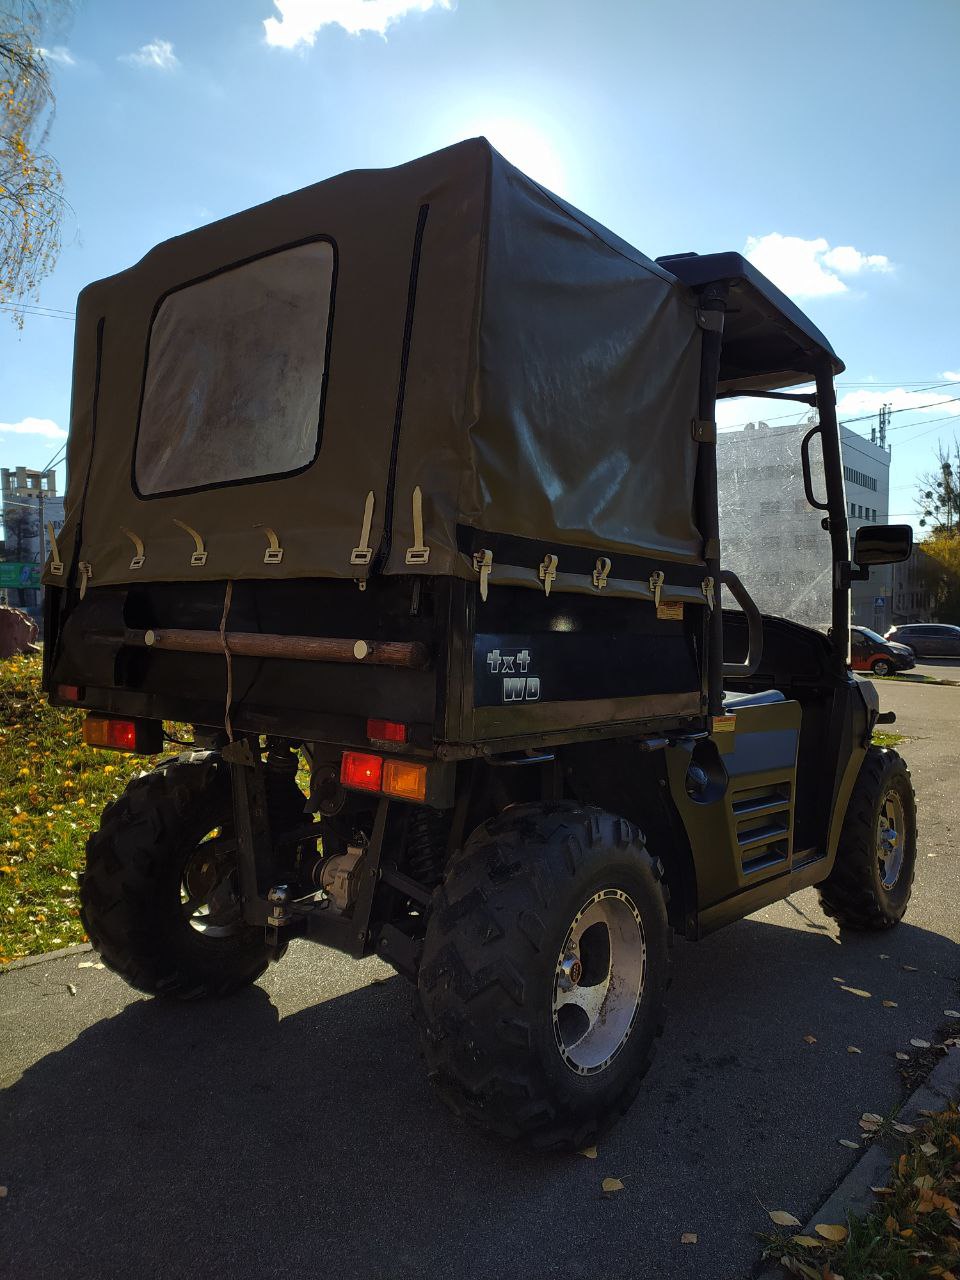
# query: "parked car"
933, 638
869, 651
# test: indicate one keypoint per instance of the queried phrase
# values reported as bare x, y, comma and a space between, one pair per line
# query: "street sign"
879, 601
19, 573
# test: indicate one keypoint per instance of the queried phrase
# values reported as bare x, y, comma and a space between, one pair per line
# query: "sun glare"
526, 146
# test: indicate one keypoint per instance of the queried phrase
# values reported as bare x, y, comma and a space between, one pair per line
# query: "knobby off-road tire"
869, 886
498, 932
132, 890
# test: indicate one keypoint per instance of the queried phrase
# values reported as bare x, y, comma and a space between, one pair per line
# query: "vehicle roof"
768, 342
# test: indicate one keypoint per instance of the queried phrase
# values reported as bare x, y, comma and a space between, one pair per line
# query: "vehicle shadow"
221, 1139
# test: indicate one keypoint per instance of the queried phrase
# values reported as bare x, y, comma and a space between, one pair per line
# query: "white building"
773, 538
866, 476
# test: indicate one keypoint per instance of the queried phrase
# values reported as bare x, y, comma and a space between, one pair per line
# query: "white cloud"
34, 427
947, 376
810, 268
155, 53
60, 54
300, 20
854, 403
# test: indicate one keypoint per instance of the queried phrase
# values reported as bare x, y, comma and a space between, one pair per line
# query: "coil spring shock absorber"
427, 833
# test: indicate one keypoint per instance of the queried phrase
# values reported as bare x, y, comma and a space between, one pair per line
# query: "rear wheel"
159, 897
870, 884
544, 975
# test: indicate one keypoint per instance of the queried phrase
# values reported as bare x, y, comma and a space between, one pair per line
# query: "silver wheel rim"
881, 668
208, 898
891, 833
598, 984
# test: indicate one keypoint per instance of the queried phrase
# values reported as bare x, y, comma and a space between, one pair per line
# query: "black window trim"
210, 275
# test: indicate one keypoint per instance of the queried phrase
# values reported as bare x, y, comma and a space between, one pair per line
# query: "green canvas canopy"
393, 371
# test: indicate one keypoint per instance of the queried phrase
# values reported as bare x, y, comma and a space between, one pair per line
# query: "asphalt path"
290, 1128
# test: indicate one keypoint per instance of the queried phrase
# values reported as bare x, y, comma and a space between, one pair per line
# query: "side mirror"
882, 544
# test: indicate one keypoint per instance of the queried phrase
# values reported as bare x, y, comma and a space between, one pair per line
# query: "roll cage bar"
756, 342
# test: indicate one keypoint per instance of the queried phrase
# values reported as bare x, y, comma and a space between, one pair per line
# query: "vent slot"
762, 818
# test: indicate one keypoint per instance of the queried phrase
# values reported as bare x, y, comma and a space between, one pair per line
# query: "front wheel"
872, 877
159, 897
544, 974
881, 667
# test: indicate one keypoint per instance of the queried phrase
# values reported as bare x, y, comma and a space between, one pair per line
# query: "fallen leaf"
611, 1184
890, 1004
884, 956
3, 1192
952, 1013
783, 1219
907, 1232
924, 1182
688, 1237
855, 991
920, 1044
904, 1128
902, 1165
882, 1191
852, 1048
872, 1115
892, 1224
910, 968
839, 979
808, 1242
810, 1039
831, 1231
929, 1149
904, 1057
589, 1152
845, 1142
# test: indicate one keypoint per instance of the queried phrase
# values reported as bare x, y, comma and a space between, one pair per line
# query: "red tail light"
361, 770
386, 731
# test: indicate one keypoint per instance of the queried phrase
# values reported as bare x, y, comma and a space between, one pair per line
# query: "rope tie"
227, 598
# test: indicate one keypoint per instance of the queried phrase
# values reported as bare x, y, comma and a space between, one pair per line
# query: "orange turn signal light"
405, 780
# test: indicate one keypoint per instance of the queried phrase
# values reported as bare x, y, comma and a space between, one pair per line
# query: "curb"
853, 1195
905, 678
62, 954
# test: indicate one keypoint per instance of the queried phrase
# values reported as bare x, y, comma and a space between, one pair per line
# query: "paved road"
291, 1127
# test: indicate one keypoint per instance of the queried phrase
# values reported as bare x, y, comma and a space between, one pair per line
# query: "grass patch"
912, 1233
880, 739
53, 789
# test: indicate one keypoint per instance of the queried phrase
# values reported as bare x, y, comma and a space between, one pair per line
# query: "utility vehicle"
411, 480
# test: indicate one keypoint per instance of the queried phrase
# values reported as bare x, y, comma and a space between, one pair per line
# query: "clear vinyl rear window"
235, 374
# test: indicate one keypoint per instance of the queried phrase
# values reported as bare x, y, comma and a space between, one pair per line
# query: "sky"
820, 139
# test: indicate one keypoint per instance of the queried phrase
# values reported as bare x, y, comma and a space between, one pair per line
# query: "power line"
37, 309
